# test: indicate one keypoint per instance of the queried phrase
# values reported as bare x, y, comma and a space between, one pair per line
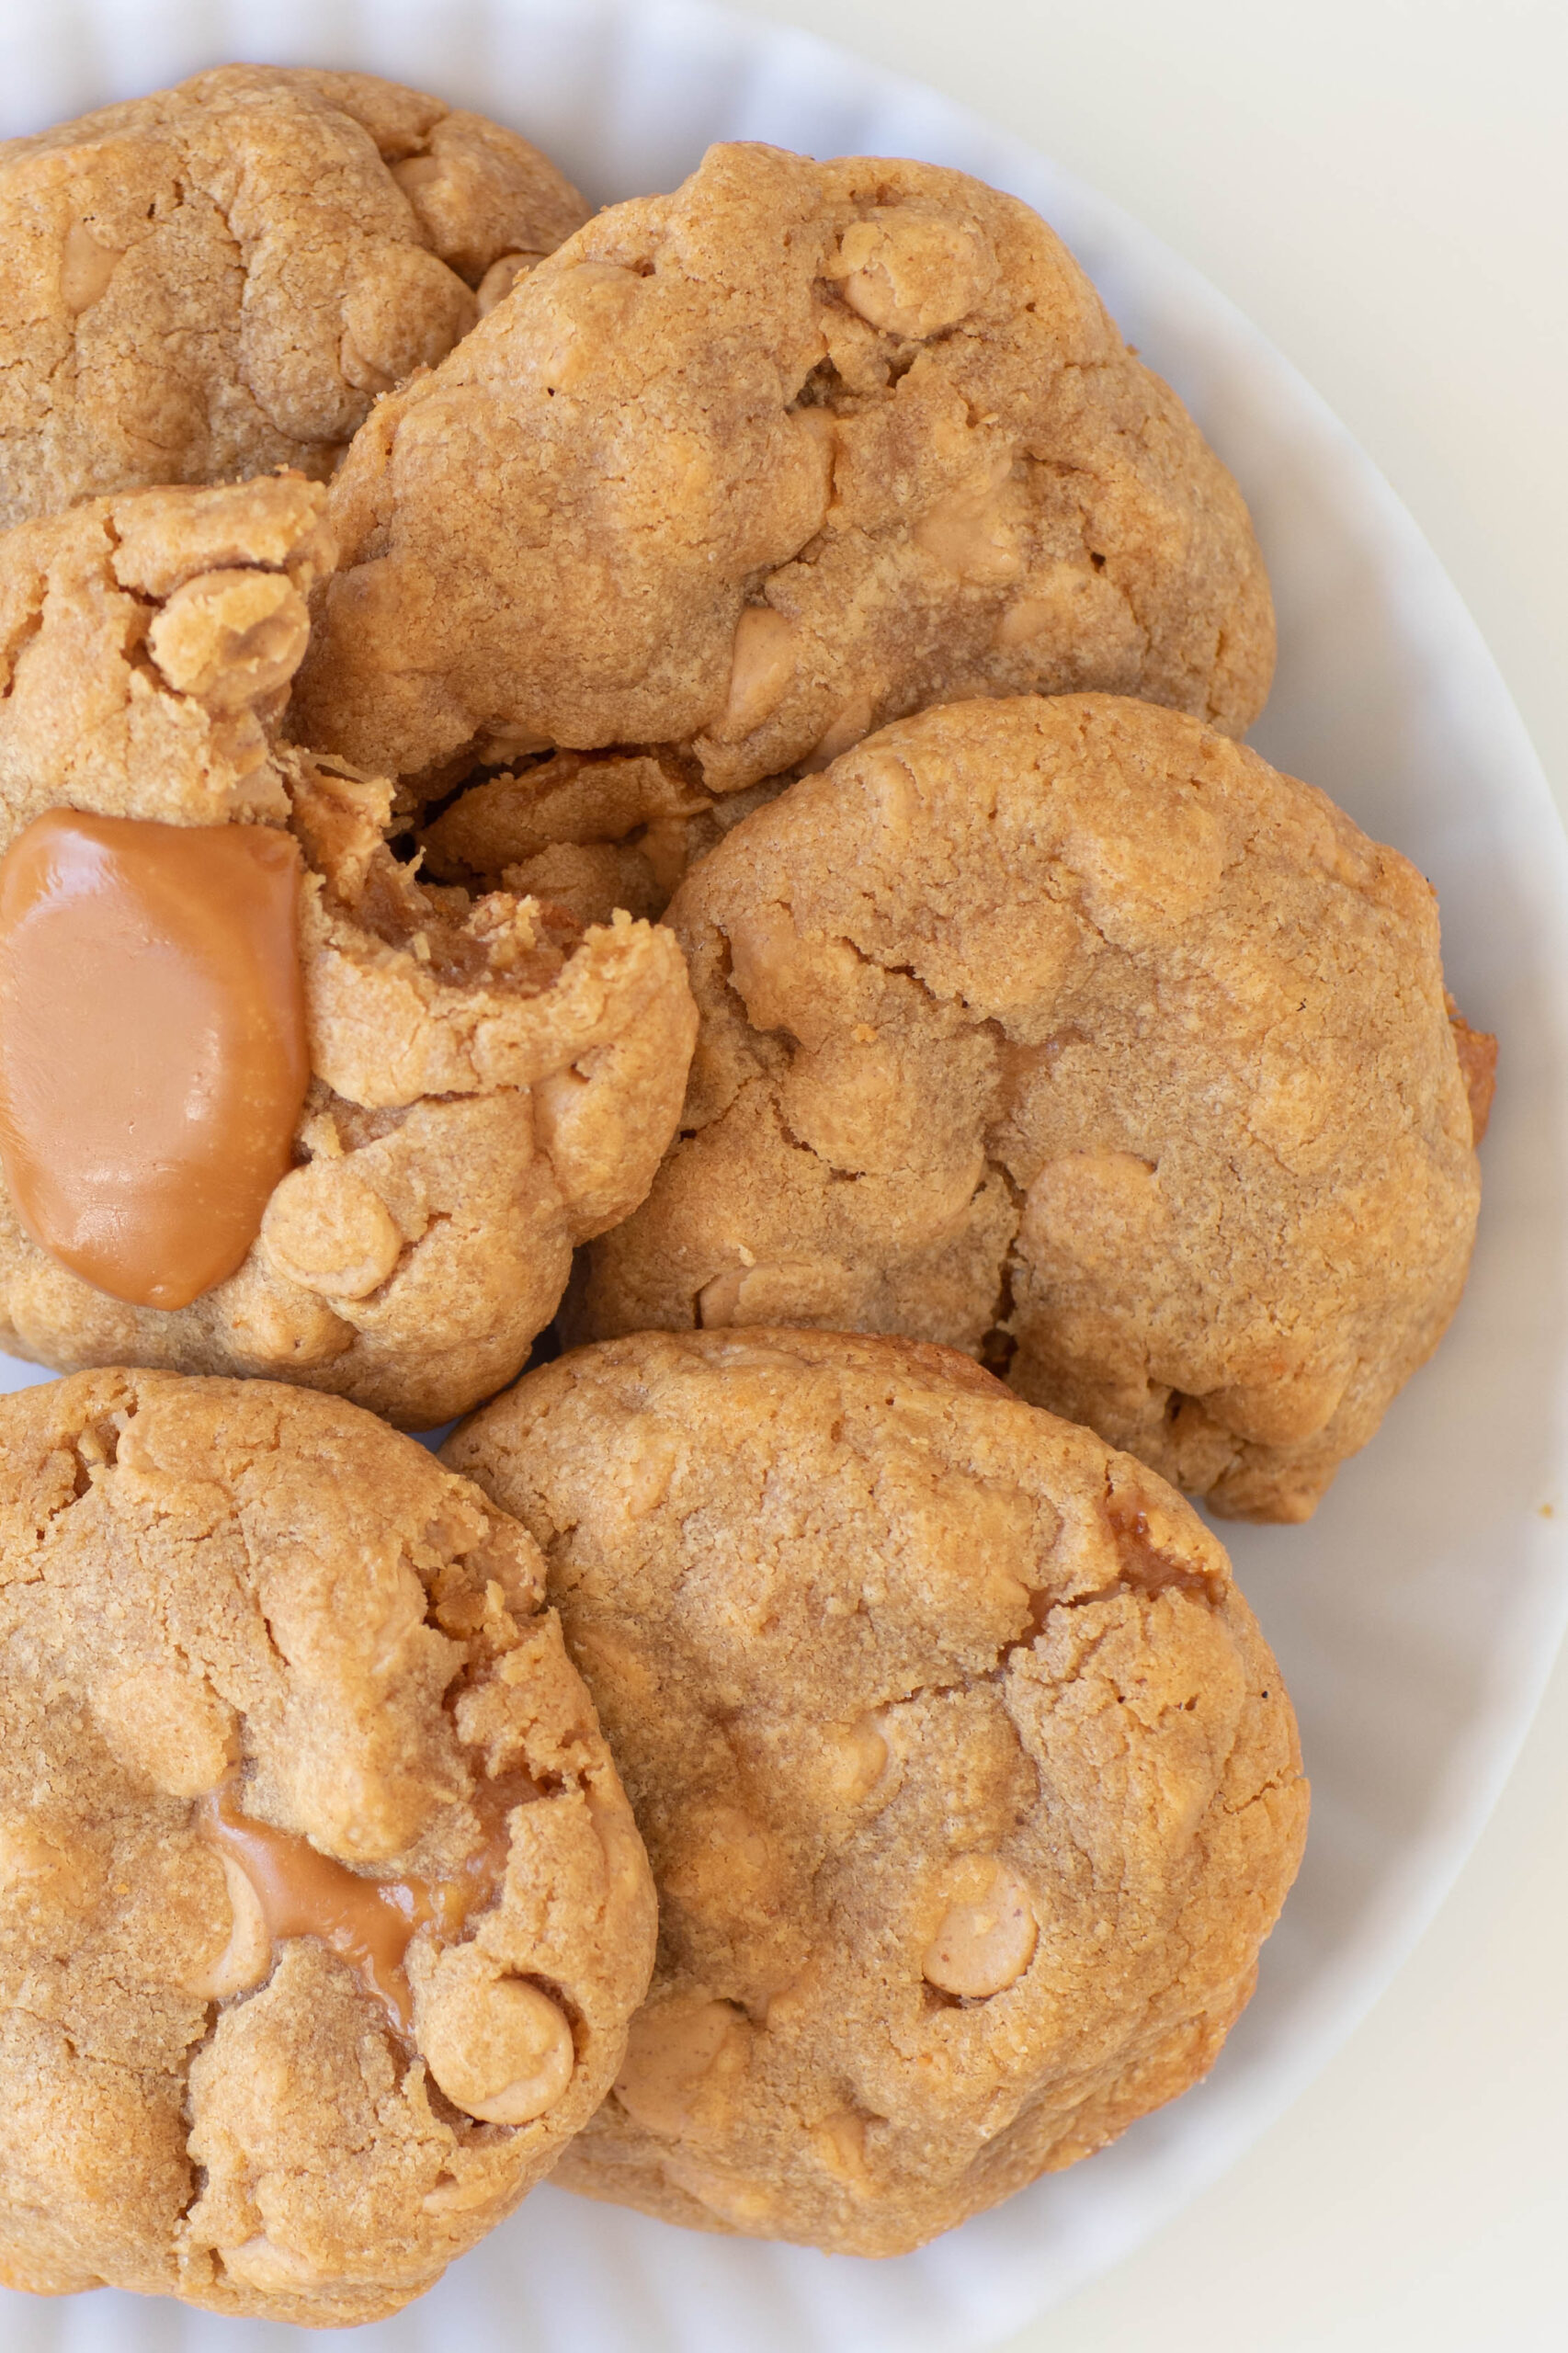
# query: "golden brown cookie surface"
749, 469
238, 1599
220, 278
969, 1783
490, 1083
1069, 1030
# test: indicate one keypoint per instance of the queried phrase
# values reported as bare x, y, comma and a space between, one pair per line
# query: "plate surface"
1417, 1615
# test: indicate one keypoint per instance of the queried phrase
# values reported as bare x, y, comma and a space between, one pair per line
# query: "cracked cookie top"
1068, 1032
488, 1081
750, 469
220, 278
969, 1783
324, 1911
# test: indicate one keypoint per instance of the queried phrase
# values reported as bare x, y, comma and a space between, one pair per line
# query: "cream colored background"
1383, 185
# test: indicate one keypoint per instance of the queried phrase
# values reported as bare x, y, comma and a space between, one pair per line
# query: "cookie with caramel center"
325, 1912
968, 1780
269, 1103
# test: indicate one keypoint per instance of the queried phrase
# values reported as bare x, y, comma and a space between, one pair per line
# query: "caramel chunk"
152, 1049
299, 1891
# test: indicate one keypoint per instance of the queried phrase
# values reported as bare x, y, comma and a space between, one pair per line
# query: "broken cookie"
594, 830
268, 1103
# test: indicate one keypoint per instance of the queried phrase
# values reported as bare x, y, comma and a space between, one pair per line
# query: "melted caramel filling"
153, 1050
372, 1922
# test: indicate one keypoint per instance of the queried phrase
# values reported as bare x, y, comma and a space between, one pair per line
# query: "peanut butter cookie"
742, 471
221, 278
326, 1912
1068, 1032
969, 1783
594, 830
351, 1140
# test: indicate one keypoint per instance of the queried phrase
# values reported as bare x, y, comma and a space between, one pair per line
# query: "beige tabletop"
1383, 186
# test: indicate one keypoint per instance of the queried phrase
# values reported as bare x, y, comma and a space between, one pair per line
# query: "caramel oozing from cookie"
153, 1050
372, 1922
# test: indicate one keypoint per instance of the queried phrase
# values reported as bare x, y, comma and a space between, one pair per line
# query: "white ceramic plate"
1417, 1615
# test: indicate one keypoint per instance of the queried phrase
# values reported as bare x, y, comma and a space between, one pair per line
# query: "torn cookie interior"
270, 1101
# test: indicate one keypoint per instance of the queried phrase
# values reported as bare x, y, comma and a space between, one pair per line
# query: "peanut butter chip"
246, 1956
499, 2048
913, 273
674, 2051
853, 720
42, 1870
153, 1047
840, 2142
987, 1936
231, 636
501, 276
761, 668
274, 2270
86, 268
325, 1230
